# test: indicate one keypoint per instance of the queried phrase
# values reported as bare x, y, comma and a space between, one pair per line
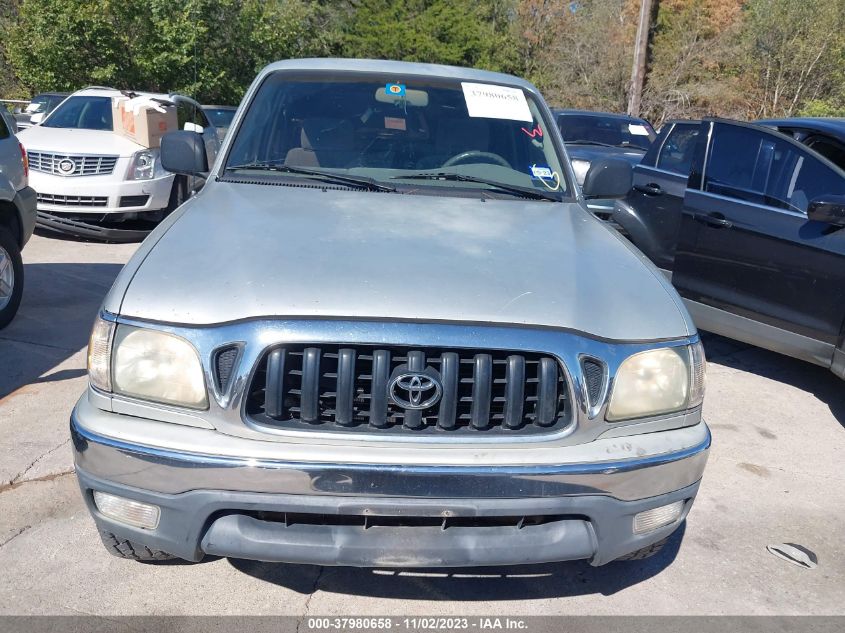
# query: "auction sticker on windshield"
487, 101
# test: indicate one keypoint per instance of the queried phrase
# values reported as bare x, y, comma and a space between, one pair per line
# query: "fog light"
657, 517
142, 515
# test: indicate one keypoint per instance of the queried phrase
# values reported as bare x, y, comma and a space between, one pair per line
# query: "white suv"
94, 182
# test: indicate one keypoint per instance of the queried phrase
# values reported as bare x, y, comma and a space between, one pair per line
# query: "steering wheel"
486, 157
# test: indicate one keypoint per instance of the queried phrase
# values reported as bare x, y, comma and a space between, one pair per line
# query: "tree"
210, 49
797, 52
462, 32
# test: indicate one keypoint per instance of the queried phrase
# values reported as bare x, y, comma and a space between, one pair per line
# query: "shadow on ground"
58, 309
479, 584
819, 381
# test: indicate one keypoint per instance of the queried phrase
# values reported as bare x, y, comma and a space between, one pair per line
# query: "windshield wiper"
361, 182
623, 145
583, 141
513, 189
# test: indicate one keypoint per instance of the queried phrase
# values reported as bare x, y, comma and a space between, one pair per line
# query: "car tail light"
25, 161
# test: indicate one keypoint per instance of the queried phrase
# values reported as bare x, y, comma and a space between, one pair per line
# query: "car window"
220, 117
84, 113
759, 167
390, 128
199, 116
830, 149
187, 112
678, 150
4, 129
38, 104
614, 131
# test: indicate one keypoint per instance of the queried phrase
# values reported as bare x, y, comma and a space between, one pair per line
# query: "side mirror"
36, 118
608, 178
193, 127
184, 153
829, 209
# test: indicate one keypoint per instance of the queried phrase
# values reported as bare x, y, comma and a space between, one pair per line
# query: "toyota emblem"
66, 166
415, 390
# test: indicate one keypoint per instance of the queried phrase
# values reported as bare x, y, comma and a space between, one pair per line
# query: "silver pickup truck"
387, 332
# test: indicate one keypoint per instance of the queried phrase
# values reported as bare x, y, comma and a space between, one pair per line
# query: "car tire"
123, 548
178, 194
646, 552
11, 274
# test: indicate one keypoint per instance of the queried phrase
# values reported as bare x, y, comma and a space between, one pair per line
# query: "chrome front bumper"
170, 471
218, 504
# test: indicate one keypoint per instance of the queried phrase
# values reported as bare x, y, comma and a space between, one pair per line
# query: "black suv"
748, 221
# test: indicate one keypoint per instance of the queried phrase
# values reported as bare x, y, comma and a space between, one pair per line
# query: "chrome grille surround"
82, 164
227, 411
350, 388
72, 201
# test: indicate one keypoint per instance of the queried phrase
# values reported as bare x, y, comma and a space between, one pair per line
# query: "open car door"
749, 262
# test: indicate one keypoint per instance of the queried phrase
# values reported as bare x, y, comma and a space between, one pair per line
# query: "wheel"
178, 194
123, 548
476, 156
646, 552
11, 277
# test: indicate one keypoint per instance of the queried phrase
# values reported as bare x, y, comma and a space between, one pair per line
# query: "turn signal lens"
99, 354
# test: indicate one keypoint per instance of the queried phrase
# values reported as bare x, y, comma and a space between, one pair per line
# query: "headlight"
145, 364
580, 167
157, 366
658, 381
143, 165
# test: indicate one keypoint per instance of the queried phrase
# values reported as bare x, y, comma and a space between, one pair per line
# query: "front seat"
324, 142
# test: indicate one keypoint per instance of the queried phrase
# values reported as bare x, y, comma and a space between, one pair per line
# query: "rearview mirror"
193, 127
608, 178
36, 118
829, 209
184, 153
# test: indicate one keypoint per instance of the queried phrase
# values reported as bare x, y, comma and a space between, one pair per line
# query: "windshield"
414, 133
220, 117
85, 113
613, 131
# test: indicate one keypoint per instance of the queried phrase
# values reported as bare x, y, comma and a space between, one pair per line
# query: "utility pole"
640, 50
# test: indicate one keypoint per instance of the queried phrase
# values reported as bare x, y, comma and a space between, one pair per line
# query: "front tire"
123, 548
11, 277
646, 552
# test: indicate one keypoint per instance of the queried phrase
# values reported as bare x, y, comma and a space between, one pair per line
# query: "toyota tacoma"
387, 332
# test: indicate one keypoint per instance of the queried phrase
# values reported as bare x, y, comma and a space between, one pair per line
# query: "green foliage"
796, 51
207, 48
821, 107
738, 58
463, 32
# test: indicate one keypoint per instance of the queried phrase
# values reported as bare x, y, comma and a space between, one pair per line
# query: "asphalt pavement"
776, 475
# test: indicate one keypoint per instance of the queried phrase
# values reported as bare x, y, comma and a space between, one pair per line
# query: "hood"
67, 141
596, 152
240, 251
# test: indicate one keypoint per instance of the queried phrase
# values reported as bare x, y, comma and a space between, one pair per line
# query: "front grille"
335, 388
71, 164
72, 201
367, 521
